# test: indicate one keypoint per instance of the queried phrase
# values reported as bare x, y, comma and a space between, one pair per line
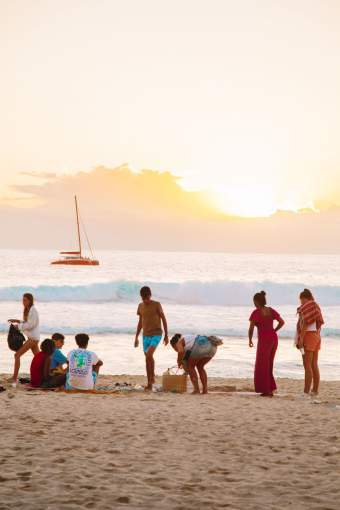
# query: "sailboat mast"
78, 228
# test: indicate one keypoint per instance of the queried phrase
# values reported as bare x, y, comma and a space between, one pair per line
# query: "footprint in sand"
123, 499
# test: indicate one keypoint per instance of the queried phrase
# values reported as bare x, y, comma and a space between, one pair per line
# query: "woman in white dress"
29, 327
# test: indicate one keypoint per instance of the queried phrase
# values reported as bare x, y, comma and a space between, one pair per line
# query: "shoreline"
289, 388
234, 359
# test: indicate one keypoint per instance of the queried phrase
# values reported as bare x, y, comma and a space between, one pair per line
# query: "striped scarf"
309, 313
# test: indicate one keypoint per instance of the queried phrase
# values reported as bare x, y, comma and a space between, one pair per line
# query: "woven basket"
177, 383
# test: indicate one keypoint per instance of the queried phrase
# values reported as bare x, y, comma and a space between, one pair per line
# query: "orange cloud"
150, 210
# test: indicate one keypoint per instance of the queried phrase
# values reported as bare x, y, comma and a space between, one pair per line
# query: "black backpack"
15, 338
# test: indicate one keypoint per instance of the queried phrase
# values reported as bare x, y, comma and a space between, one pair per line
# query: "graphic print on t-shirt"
81, 363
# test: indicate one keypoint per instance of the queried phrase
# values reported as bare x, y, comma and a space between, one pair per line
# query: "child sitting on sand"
83, 366
150, 317
40, 366
58, 358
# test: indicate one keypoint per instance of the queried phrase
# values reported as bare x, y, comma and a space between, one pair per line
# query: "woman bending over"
194, 352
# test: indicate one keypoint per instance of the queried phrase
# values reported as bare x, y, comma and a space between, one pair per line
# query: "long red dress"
266, 350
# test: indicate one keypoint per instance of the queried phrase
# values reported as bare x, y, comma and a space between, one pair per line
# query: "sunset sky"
239, 99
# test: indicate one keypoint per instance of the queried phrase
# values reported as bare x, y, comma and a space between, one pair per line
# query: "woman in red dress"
263, 318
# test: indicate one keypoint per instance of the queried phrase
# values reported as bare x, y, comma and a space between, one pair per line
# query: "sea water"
200, 292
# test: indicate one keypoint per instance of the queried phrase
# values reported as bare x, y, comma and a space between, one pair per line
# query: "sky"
149, 210
238, 99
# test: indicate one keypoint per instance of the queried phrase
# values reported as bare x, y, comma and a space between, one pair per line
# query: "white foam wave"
218, 293
130, 330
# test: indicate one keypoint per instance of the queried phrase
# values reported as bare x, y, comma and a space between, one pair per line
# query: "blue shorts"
69, 387
151, 341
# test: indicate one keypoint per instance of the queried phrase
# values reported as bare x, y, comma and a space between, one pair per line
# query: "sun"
249, 202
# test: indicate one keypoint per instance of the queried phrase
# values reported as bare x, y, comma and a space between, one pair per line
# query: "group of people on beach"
50, 368
307, 340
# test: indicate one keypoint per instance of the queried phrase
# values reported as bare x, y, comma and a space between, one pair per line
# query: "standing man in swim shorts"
151, 316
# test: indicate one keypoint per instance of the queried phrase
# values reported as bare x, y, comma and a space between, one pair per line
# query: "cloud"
150, 210
105, 191
40, 175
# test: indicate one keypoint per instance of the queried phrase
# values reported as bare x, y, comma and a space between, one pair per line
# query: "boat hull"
76, 262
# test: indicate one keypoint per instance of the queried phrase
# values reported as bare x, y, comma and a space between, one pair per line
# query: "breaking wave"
218, 293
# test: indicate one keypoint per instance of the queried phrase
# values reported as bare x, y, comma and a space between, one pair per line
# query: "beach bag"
15, 338
173, 381
215, 340
204, 347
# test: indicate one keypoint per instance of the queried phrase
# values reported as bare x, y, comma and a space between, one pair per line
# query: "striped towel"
309, 313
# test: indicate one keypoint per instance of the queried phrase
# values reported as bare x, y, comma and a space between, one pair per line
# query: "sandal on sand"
24, 380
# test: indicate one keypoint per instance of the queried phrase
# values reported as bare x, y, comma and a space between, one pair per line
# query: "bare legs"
193, 375
316, 373
194, 364
312, 374
150, 367
29, 344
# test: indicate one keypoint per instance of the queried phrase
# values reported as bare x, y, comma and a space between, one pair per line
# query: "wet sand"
227, 449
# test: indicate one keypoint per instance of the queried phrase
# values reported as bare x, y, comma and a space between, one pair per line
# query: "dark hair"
30, 298
175, 339
82, 339
58, 336
306, 294
47, 346
260, 298
145, 292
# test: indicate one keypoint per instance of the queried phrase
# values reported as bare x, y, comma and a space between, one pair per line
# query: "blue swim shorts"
69, 387
151, 341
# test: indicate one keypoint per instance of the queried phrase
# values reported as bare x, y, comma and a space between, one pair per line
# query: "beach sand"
226, 449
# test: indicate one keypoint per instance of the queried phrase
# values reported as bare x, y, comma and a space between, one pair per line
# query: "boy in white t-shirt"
83, 366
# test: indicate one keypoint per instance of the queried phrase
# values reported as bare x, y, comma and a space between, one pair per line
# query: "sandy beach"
228, 449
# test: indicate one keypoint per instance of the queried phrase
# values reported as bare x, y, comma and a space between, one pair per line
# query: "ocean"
200, 292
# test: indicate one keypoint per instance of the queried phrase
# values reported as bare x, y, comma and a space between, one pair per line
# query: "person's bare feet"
148, 387
204, 392
11, 380
196, 392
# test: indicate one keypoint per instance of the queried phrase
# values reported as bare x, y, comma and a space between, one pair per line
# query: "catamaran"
75, 258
